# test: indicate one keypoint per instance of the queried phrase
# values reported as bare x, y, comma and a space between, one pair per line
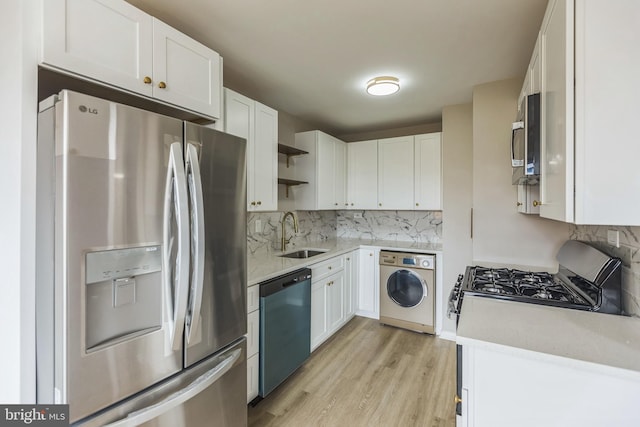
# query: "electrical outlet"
613, 238
258, 226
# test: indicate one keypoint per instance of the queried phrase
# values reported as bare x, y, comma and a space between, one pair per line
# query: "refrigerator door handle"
197, 386
197, 242
175, 200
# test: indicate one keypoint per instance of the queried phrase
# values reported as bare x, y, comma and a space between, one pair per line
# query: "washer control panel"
411, 260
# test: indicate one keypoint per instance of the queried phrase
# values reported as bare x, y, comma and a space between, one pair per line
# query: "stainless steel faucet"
295, 228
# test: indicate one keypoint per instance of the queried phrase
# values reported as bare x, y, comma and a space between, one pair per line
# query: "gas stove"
586, 280
528, 286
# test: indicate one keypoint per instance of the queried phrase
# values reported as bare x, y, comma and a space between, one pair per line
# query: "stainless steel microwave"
525, 142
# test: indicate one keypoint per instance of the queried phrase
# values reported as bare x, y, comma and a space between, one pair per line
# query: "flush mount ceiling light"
384, 85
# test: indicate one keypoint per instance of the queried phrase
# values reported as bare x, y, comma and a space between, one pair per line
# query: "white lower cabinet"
318, 313
503, 387
367, 284
351, 274
335, 302
332, 296
253, 367
253, 340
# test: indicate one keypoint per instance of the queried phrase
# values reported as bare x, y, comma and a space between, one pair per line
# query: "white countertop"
266, 265
601, 339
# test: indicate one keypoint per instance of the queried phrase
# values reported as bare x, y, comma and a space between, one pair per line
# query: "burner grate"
540, 287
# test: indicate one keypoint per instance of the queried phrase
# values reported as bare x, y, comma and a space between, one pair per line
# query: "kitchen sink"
303, 253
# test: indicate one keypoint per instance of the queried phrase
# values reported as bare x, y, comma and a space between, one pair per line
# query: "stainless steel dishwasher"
285, 327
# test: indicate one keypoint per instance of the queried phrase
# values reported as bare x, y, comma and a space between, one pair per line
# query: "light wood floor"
367, 375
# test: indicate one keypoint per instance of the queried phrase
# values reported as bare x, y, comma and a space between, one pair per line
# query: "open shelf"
290, 183
290, 151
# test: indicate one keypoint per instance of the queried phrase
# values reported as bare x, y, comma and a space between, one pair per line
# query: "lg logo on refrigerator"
85, 109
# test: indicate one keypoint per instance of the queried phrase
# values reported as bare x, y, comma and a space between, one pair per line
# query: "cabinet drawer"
253, 298
325, 268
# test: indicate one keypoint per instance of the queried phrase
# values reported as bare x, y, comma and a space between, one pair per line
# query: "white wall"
457, 179
500, 234
18, 108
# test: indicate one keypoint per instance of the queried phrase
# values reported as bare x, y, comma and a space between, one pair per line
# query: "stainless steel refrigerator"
141, 254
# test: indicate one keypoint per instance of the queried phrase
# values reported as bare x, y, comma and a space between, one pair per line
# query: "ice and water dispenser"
123, 294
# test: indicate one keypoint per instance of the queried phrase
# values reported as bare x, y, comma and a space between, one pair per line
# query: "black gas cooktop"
528, 286
587, 279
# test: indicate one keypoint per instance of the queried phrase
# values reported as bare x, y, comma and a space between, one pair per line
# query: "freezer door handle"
178, 398
176, 272
197, 242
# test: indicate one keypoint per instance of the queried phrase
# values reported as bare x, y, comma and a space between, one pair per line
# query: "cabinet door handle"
253, 203
537, 203
259, 202
519, 204
379, 204
457, 399
417, 204
162, 85
147, 80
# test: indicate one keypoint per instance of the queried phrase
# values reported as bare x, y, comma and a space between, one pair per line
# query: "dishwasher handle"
280, 283
296, 280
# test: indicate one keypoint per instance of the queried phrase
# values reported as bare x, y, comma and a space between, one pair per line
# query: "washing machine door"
406, 288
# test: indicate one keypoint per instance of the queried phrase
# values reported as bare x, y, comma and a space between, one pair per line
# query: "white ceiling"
312, 59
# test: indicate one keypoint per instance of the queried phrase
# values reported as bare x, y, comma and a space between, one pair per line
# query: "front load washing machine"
407, 290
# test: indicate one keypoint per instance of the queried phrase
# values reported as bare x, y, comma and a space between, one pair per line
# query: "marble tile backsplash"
264, 229
313, 226
406, 226
628, 252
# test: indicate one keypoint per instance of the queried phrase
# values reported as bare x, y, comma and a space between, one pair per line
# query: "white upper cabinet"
110, 41
340, 158
535, 69
265, 161
593, 44
324, 168
113, 42
258, 124
403, 173
528, 199
185, 72
362, 175
556, 181
428, 171
395, 173
533, 78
